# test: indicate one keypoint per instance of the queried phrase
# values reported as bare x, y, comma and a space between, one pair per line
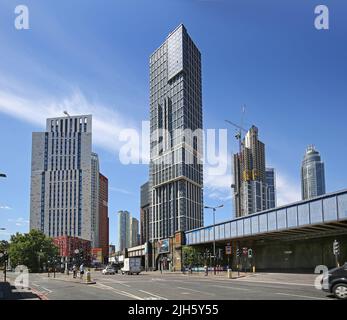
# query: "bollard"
253, 269
230, 274
88, 276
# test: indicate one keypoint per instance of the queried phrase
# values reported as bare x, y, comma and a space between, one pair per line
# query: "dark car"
335, 281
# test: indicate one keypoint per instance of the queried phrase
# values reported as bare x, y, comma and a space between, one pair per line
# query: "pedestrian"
206, 270
74, 270
81, 270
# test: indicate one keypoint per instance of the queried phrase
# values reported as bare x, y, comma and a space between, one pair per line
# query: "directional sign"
228, 250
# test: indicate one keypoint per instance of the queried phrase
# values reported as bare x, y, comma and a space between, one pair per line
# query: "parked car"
335, 282
108, 270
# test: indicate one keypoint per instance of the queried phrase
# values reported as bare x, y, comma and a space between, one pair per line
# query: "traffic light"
239, 252
250, 253
220, 253
336, 248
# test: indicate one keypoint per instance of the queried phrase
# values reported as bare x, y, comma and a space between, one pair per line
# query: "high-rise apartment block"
103, 217
271, 188
134, 232
123, 230
64, 195
145, 213
176, 172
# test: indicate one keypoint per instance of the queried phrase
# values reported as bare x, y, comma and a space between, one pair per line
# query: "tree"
190, 255
31, 249
4, 245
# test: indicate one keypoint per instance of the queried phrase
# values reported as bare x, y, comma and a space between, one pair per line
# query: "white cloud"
287, 190
120, 190
19, 222
5, 207
218, 187
107, 122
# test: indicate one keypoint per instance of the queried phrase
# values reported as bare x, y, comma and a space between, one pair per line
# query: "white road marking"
114, 281
209, 294
232, 288
299, 296
120, 292
39, 286
275, 282
152, 294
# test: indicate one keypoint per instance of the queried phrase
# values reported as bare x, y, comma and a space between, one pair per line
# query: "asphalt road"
154, 286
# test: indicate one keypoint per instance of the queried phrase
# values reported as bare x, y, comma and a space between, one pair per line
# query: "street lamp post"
214, 233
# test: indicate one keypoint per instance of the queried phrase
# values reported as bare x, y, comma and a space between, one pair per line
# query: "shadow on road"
9, 292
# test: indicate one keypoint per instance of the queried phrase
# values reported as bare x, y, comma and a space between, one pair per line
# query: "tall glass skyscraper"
123, 230
270, 188
176, 173
312, 174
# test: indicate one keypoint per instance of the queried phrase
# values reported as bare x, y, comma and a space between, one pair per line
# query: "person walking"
206, 270
81, 270
74, 271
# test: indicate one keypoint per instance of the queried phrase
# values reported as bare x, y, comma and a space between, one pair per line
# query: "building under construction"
251, 187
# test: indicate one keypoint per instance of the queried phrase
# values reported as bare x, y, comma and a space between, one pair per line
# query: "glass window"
263, 222
221, 232
211, 233
272, 223
316, 211
330, 209
247, 226
303, 214
281, 219
342, 205
207, 235
240, 227
255, 224
292, 217
227, 230
202, 235
233, 230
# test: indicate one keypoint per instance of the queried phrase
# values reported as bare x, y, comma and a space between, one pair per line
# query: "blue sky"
93, 56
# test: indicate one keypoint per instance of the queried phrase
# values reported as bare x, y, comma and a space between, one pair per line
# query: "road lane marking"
300, 296
275, 282
236, 288
40, 286
154, 295
120, 292
113, 281
198, 291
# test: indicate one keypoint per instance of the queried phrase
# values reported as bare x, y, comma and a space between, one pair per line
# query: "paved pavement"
173, 286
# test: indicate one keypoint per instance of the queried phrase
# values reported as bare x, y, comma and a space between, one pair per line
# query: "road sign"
336, 248
228, 250
245, 251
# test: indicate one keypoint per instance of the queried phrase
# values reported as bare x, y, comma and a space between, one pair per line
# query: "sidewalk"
288, 278
220, 274
69, 278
